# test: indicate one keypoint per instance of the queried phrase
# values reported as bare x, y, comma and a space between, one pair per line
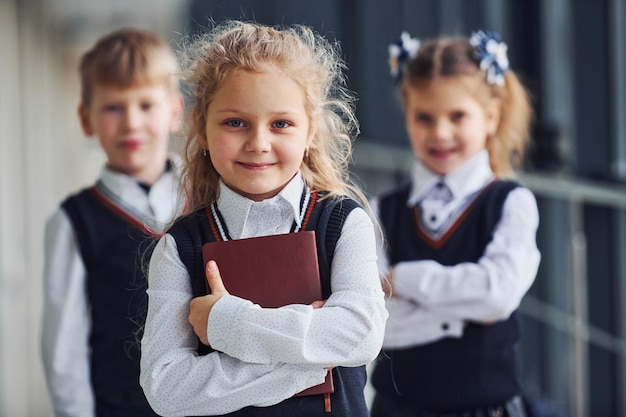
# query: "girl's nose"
258, 141
442, 130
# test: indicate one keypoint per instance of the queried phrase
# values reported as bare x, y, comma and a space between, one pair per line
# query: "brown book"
271, 271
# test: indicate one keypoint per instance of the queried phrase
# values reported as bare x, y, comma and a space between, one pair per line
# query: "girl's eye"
422, 118
281, 124
146, 106
234, 123
457, 116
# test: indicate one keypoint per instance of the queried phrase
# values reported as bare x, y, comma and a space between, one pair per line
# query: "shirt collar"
161, 202
467, 179
235, 208
120, 183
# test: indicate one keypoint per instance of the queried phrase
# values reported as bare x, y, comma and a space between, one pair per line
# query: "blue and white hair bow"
491, 53
401, 52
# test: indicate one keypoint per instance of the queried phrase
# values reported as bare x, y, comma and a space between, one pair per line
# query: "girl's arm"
410, 324
65, 321
490, 289
347, 331
178, 382
426, 325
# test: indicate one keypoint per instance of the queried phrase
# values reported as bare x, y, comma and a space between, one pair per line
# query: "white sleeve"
381, 244
490, 289
410, 324
178, 382
65, 322
347, 331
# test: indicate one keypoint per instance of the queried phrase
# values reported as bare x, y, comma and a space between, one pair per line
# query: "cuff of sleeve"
224, 323
406, 280
426, 326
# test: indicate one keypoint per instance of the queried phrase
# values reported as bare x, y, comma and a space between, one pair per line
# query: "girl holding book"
270, 140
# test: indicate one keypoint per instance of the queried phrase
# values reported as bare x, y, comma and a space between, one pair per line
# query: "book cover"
272, 271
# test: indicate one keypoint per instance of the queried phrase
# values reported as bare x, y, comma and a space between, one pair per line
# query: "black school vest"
326, 217
114, 247
452, 374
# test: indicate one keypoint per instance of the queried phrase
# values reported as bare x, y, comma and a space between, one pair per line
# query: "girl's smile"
443, 153
257, 166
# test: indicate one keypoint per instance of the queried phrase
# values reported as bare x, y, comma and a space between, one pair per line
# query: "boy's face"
133, 127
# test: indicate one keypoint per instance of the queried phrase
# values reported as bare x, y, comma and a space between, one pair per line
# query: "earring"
306, 152
204, 152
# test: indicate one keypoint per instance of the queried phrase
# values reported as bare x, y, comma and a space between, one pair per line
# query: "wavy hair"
310, 60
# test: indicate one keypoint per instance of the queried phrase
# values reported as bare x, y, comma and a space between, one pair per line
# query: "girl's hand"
318, 304
200, 307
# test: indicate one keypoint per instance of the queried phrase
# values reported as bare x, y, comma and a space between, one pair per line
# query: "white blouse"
264, 355
433, 301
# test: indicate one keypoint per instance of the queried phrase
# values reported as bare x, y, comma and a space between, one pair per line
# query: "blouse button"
445, 326
433, 218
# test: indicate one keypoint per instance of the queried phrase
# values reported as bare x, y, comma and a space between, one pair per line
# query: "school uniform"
94, 299
263, 356
464, 252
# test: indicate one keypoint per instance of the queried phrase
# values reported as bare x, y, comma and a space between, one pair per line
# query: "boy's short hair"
127, 58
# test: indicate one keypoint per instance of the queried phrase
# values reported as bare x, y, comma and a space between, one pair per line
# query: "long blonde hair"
453, 57
309, 60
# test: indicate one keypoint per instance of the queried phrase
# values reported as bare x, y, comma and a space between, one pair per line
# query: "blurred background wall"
570, 53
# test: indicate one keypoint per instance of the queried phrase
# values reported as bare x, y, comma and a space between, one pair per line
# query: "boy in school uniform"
97, 243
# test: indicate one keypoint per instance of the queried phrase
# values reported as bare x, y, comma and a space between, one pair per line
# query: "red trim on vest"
213, 224
309, 210
135, 222
438, 243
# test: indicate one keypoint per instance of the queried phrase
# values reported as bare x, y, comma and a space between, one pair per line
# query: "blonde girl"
460, 237
270, 138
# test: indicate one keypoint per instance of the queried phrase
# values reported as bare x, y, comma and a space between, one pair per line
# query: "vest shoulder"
187, 222
341, 201
334, 210
394, 199
78, 196
507, 184
501, 187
